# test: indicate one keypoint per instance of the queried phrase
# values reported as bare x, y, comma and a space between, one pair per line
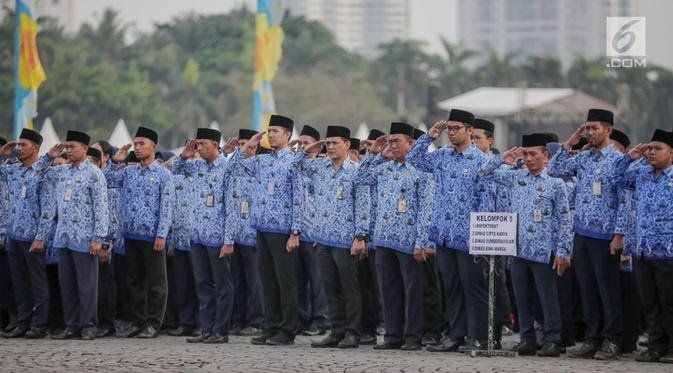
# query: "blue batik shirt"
597, 196
341, 206
458, 190
240, 203
278, 193
309, 210
404, 206
146, 200
80, 203
47, 198
653, 196
183, 213
23, 184
541, 203
210, 182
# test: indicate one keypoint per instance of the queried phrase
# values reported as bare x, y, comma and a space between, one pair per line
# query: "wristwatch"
362, 237
296, 232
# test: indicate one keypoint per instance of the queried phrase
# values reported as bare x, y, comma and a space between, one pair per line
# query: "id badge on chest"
402, 205
596, 188
270, 188
537, 216
23, 191
210, 200
67, 197
340, 192
245, 208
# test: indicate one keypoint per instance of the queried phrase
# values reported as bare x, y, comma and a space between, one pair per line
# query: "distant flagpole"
28, 71
268, 52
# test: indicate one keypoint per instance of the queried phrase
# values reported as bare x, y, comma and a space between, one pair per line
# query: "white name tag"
596, 188
67, 197
245, 208
340, 192
537, 216
23, 191
210, 200
270, 188
402, 205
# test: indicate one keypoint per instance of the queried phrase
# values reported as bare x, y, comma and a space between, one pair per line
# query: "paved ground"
172, 354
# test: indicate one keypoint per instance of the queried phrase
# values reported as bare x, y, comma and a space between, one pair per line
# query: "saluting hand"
230, 145
254, 141
56, 150
122, 153
638, 151
190, 149
314, 147
436, 130
575, 138
510, 156
378, 145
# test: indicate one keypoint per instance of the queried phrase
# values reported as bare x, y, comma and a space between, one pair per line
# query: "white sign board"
493, 233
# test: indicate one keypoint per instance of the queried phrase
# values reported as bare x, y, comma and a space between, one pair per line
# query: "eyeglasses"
454, 128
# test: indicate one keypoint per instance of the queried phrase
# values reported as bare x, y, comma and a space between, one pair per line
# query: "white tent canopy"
120, 135
214, 125
362, 132
49, 136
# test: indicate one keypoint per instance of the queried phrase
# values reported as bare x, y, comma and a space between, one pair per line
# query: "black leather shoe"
199, 338
329, 341
476, 345
280, 339
586, 350
367, 339
15, 333
446, 344
260, 339
526, 349
667, 358
66, 334
131, 331
429, 340
549, 349
217, 338
36, 333
608, 351
179, 331
349, 341
411, 345
103, 332
236, 330
648, 356
147, 332
388, 346
88, 334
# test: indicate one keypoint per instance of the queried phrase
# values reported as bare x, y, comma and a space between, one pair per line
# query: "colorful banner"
28, 71
268, 51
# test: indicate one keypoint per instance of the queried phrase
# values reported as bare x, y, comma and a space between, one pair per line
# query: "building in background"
560, 28
359, 25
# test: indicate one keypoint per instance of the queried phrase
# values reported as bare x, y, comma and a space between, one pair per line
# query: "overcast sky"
429, 18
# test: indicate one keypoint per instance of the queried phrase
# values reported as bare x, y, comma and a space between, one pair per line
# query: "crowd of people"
343, 238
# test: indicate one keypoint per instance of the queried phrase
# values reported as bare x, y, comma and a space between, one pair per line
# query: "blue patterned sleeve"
561, 165
426, 191
564, 234
297, 197
491, 171
622, 212
240, 166
42, 164
114, 178
420, 157
625, 171
47, 207
166, 208
365, 173
231, 220
362, 204
304, 164
100, 205
183, 166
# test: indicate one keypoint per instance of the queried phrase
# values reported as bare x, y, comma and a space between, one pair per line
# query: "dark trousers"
524, 273
123, 307
655, 279
247, 287
598, 275
632, 314
7, 304
171, 314
369, 292
184, 289
78, 276
465, 285
570, 305
214, 287
29, 277
401, 284
147, 282
312, 299
342, 290
432, 300
55, 320
107, 295
279, 283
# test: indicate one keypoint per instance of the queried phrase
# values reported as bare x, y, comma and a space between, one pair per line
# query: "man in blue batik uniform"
541, 203
147, 212
597, 238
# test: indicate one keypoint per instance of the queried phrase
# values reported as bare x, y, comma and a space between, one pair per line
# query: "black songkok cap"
552, 136
310, 132
246, 134
463, 116
401, 128
78, 136
355, 144
663, 136
620, 137
600, 115
3, 141
281, 121
148, 134
94, 153
418, 133
534, 139
208, 134
375, 134
484, 125
31, 135
338, 131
